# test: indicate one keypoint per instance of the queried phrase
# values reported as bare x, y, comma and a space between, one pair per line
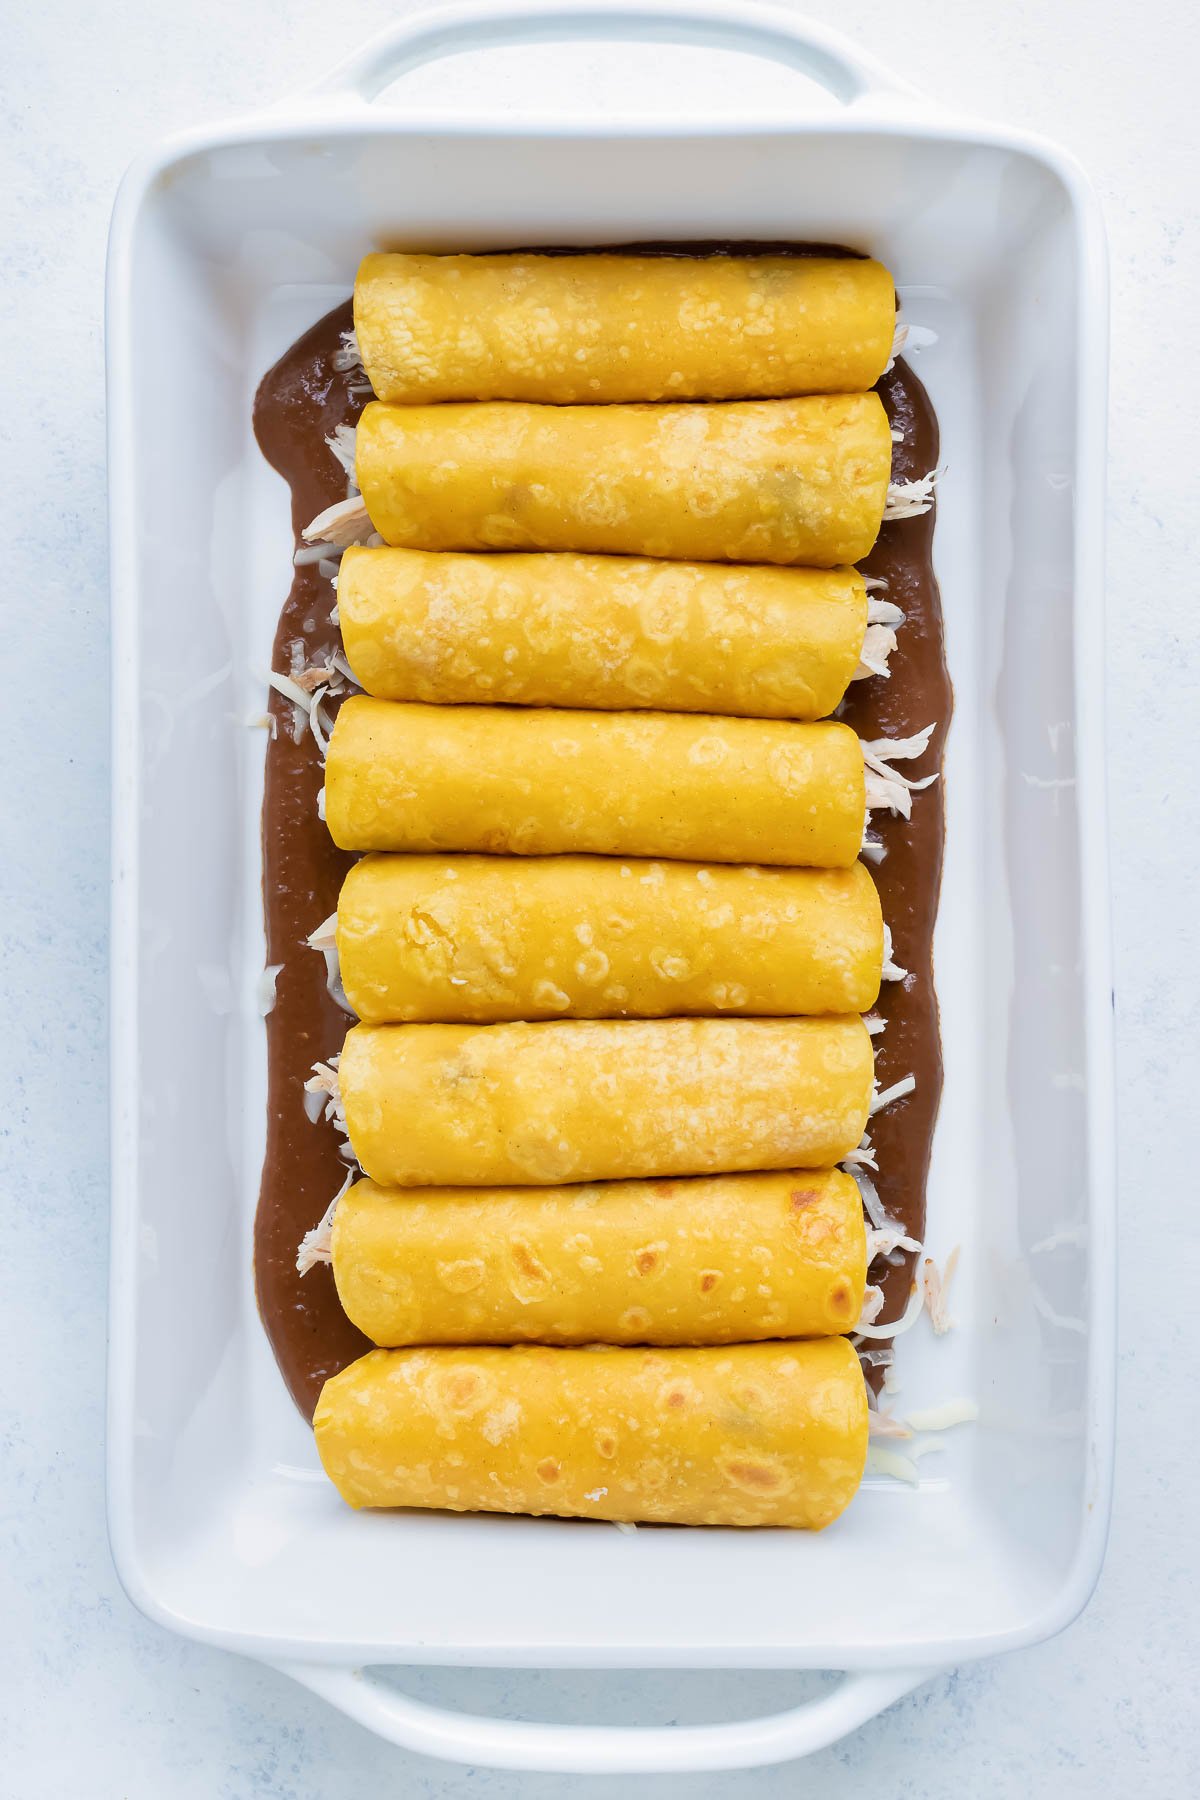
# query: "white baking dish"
227, 243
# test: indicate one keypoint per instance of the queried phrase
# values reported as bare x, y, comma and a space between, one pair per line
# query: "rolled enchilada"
758, 481
729, 1259
601, 631
605, 327
747, 1434
532, 782
577, 1100
485, 938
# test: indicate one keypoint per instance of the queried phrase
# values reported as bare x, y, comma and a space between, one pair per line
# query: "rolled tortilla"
724, 1260
604, 327
748, 1434
486, 938
758, 481
601, 631
575, 1100
533, 782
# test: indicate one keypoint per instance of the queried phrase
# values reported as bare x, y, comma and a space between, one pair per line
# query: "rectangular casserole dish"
226, 244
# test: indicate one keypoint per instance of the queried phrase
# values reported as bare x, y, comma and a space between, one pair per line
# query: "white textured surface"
97, 1702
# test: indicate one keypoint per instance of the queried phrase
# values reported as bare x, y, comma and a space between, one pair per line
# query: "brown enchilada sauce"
299, 404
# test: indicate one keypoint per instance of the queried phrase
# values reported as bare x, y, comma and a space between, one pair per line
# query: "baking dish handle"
823, 56
606, 1749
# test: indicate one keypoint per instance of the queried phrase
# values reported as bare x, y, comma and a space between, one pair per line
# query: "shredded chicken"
878, 643
886, 1425
324, 1080
909, 499
342, 442
888, 788
316, 1246
872, 1306
348, 522
886, 1241
883, 612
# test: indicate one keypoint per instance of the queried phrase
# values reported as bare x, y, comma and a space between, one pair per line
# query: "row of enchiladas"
610, 940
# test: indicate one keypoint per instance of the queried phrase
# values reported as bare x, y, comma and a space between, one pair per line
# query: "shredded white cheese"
348, 357
899, 339
891, 1462
860, 1158
944, 1417
307, 688
324, 939
874, 1023
1074, 1236
936, 1285
891, 970
884, 1096
265, 990
897, 1327
1064, 1321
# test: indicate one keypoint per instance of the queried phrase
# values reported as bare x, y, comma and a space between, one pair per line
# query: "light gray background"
93, 1700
